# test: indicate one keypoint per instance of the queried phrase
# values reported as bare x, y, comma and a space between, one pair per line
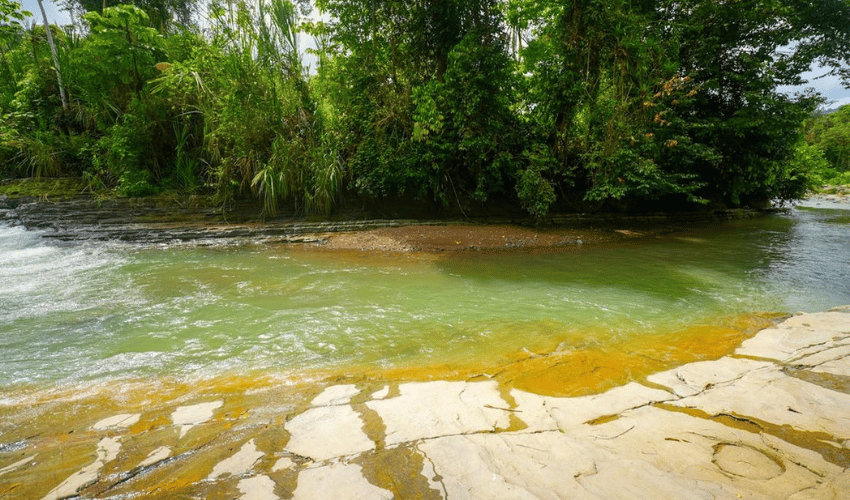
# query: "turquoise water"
95, 311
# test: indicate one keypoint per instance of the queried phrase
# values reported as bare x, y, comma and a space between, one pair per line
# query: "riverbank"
64, 214
767, 421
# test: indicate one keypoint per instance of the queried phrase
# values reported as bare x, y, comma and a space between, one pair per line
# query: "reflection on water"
98, 313
812, 258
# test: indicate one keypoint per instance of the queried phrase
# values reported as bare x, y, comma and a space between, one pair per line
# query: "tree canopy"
467, 107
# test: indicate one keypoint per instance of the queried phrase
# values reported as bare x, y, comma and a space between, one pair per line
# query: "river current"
84, 313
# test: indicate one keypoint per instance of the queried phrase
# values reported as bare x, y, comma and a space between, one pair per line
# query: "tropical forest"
464, 107
424, 249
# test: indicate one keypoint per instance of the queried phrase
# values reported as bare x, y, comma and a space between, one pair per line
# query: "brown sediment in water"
477, 237
398, 470
831, 381
555, 371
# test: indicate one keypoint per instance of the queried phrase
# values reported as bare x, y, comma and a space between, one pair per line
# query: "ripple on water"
84, 312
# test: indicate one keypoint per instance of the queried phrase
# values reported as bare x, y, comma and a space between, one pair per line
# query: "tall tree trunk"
62, 94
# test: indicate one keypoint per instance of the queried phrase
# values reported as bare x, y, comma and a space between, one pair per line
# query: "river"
80, 315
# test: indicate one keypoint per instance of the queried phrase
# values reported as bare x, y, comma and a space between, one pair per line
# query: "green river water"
83, 314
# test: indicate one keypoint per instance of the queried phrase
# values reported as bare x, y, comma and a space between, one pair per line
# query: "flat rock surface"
771, 421
433, 409
798, 337
327, 432
337, 481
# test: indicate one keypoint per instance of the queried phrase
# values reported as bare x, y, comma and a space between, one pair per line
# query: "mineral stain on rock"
711, 428
107, 450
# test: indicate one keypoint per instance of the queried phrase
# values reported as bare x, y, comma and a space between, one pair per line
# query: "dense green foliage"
460, 106
827, 145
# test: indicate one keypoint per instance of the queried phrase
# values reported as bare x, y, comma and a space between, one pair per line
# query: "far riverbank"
66, 214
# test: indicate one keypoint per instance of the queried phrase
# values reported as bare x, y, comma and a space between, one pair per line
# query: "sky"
829, 87
54, 12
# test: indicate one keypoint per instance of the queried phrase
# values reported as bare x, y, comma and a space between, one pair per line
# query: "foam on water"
91, 313
49, 295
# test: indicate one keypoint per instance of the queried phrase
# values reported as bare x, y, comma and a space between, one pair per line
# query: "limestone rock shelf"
158, 220
770, 421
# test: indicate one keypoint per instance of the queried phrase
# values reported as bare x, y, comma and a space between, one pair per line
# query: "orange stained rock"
591, 371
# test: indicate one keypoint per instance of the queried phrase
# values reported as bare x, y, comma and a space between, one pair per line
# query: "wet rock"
694, 378
107, 450
799, 336
382, 393
158, 221
335, 395
542, 413
156, 456
840, 366
257, 488
283, 464
781, 400
239, 463
510, 466
189, 416
746, 462
645, 453
674, 455
18, 464
118, 421
834, 487
835, 361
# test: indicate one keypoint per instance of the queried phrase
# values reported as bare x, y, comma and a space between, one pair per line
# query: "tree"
11, 16
739, 53
63, 95
831, 135
659, 98
163, 14
427, 98
458, 106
